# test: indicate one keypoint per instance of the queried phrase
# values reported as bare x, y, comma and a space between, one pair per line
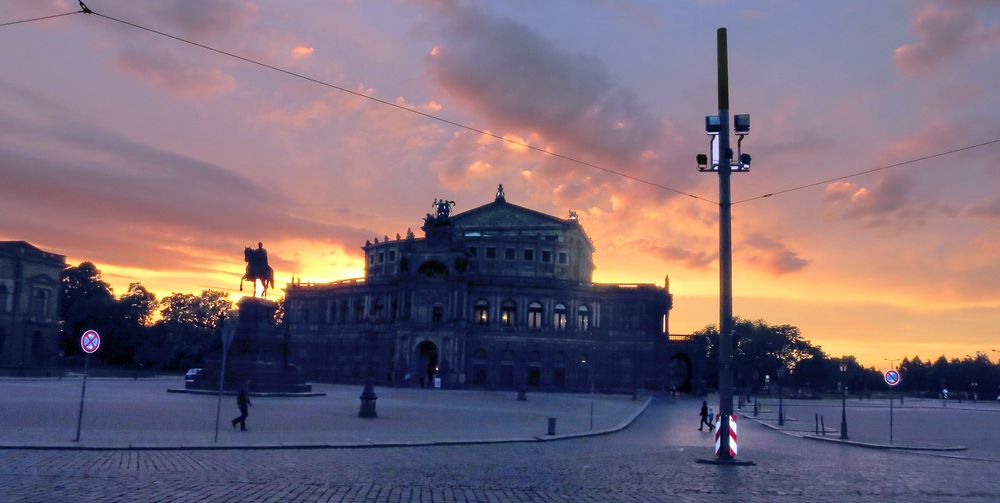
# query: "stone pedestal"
258, 353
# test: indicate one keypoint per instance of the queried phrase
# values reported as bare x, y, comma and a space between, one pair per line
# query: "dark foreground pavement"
653, 460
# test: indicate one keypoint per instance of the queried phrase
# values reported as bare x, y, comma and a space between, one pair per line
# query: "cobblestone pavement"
654, 460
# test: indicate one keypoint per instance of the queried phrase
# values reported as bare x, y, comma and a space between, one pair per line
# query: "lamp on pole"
781, 405
843, 399
975, 391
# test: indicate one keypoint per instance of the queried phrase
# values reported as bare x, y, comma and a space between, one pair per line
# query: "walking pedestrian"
704, 417
243, 402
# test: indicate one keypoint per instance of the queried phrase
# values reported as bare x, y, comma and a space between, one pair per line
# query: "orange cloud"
301, 51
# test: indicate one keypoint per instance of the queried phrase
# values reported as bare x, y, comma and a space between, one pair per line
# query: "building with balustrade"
498, 297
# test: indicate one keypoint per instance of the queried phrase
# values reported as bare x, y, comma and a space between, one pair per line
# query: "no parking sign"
892, 377
90, 341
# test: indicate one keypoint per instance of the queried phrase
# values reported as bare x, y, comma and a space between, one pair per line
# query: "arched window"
482, 312
39, 303
508, 313
583, 318
559, 317
3, 298
535, 315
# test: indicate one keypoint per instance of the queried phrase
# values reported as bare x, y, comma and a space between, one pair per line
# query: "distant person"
243, 402
704, 418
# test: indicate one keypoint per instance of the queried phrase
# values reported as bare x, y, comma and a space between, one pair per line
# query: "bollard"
822, 424
552, 426
817, 423
755, 409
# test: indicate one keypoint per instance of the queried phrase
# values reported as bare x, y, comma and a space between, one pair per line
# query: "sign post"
892, 378
227, 332
89, 343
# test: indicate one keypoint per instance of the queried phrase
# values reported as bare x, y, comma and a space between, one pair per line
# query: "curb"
868, 445
625, 423
258, 394
888, 446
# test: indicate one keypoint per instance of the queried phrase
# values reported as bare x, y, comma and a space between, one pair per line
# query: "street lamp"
368, 396
781, 405
843, 400
590, 373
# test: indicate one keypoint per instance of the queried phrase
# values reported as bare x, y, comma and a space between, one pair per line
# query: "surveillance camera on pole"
713, 128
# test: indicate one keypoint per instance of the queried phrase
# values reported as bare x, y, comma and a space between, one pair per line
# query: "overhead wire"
401, 107
10, 23
865, 172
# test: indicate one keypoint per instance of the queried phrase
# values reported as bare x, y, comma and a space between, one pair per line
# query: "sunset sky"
159, 161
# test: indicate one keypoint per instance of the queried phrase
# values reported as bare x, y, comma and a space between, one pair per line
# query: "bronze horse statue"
257, 269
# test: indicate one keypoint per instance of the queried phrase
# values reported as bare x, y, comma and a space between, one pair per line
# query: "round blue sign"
891, 377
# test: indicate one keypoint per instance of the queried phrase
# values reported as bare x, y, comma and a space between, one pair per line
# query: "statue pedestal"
258, 353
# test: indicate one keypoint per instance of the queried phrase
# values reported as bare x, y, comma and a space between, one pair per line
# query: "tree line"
760, 349
132, 335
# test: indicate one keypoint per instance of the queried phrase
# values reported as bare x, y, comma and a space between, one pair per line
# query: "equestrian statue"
257, 269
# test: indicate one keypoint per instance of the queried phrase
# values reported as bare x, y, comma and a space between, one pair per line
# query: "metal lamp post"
590, 375
781, 405
368, 396
843, 400
720, 160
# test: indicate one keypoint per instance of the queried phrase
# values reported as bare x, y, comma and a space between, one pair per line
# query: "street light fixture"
843, 399
781, 405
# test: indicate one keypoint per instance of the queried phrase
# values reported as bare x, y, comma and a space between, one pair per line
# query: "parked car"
192, 374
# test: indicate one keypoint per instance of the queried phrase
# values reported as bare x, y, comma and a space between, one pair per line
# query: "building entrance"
427, 363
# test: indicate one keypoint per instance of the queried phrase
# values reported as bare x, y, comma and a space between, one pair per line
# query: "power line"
9, 23
400, 107
911, 161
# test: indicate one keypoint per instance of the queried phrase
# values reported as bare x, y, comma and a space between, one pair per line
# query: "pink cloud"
769, 255
692, 259
163, 69
942, 33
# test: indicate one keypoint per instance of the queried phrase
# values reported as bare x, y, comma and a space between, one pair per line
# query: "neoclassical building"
29, 304
499, 296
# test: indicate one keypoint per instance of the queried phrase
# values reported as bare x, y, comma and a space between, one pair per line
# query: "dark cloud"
85, 189
520, 80
768, 255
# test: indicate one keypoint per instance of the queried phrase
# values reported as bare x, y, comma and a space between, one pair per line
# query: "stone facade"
500, 296
29, 304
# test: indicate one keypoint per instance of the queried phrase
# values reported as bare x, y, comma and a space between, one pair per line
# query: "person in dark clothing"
704, 417
243, 402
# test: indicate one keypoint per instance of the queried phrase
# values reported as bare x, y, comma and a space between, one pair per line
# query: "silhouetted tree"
138, 305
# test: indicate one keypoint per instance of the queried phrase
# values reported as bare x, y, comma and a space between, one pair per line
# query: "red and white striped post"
733, 447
